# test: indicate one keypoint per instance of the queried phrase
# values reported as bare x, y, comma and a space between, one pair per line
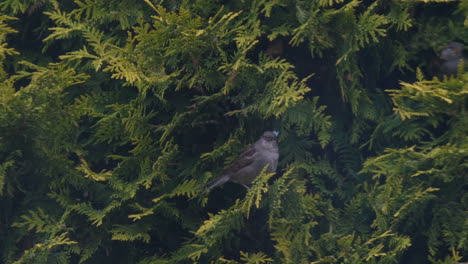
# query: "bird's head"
269, 136
453, 51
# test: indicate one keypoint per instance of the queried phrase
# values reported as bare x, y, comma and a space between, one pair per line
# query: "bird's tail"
215, 183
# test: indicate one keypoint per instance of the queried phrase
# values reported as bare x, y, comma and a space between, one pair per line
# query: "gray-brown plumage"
250, 163
450, 57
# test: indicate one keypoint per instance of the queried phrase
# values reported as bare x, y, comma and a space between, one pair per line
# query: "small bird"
450, 57
250, 163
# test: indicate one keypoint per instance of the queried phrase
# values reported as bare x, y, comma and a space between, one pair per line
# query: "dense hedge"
114, 114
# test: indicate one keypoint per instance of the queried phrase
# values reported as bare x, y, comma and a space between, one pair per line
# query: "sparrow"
250, 163
450, 57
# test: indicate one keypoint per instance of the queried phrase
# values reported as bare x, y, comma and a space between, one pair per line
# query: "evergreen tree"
114, 114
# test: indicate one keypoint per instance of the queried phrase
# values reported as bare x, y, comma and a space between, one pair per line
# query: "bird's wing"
245, 159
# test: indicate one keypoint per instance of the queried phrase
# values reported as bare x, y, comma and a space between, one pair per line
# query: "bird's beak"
276, 133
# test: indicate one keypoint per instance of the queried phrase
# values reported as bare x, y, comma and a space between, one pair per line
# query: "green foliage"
110, 130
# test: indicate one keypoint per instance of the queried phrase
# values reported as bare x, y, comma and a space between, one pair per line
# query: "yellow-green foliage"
114, 114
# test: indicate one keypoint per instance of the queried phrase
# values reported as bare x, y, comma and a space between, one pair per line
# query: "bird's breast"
270, 158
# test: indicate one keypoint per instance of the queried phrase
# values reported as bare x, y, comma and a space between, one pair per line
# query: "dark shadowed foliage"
115, 114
